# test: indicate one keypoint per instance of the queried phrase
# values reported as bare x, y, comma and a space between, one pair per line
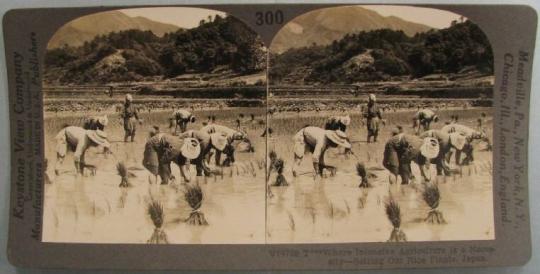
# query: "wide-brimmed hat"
346, 120
103, 120
99, 137
372, 97
457, 140
339, 137
430, 148
190, 148
129, 97
219, 141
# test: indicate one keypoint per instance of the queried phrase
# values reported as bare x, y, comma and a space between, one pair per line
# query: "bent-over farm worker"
373, 117
217, 141
77, 140
130, 116
162, 149
180, 118
470, 135
402, 148
232, 136
447, 141
94, 123
317, 140
338, 123
423, 118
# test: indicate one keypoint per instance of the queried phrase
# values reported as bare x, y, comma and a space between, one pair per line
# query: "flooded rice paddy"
93, 209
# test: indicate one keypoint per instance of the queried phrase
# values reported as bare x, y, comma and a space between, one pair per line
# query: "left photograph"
154, 126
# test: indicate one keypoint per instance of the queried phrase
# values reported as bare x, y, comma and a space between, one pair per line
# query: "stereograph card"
269, 137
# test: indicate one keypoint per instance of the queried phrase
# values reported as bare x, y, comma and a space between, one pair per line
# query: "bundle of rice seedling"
194, 197
432, 197
393, 212
361, 171
279, 165
124, 174
155, 210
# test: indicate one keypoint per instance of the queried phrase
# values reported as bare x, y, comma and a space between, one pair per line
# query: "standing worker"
373, 117
130, 116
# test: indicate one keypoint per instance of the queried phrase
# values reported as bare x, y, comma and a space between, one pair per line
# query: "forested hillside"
385, 54
224, 44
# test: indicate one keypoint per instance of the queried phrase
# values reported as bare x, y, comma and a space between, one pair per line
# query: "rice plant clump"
362, 173
124, 174
393, 212
155, 210
194, 196
432, 197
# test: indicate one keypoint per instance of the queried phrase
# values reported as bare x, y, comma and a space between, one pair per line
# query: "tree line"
384, 53
223, 43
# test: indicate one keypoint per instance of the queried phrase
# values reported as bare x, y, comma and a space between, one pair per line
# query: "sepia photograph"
380, 124
152, 121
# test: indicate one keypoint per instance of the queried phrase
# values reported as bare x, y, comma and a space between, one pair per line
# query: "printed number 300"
269, 18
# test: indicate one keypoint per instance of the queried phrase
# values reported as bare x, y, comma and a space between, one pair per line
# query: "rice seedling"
393, 212
362, 173
253, 172
347, 207
155, 210
194, 196
292, 224
123, 172
432, 197
46, 177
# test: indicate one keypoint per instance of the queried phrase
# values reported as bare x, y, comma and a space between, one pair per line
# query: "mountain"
323, 26
85, 28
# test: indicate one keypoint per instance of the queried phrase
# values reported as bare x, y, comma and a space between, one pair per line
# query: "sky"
190, 17
182, 17
431, 17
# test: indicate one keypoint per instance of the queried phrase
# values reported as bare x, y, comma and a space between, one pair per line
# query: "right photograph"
380, 127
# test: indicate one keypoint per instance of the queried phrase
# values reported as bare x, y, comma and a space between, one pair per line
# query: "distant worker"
180, 118
109, 91
373, 117
422, 120
94, 123
338, 123
77, 140
130, 116
316, 141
